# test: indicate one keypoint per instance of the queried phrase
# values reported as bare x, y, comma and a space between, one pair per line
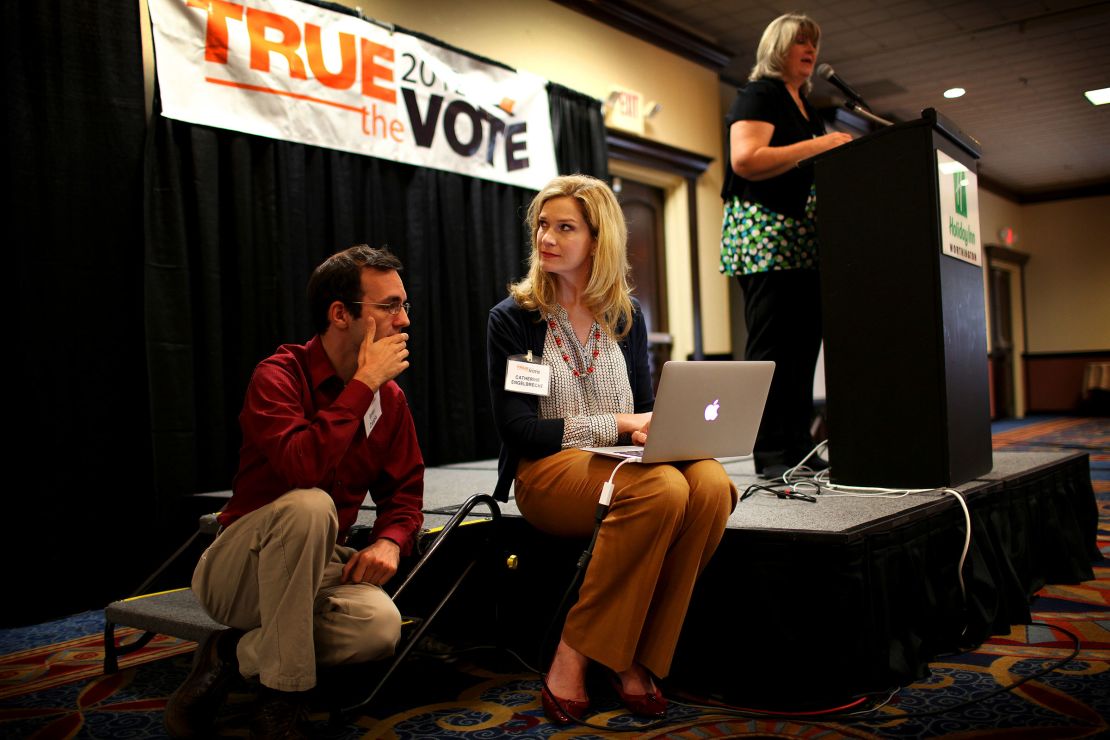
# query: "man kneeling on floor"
323, 423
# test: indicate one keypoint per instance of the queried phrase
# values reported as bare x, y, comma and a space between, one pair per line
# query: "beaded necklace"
595, 335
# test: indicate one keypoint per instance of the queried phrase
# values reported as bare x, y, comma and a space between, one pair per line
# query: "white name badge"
527, 377
373, 413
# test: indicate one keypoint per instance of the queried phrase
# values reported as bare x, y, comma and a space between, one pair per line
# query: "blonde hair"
607, 291
778, 37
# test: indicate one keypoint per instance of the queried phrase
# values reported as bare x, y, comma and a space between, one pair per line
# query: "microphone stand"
858, 108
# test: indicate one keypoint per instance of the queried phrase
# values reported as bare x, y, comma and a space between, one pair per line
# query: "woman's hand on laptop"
639, 437
632, 423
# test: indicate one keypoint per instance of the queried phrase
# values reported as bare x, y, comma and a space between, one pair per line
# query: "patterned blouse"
587, 402
756, 239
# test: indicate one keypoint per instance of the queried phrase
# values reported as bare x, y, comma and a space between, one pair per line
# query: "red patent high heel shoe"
562, 711
652, 704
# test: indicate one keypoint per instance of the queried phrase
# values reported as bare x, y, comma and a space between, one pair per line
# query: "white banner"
288, 70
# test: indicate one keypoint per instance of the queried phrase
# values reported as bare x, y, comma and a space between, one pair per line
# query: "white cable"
802, 477
892, 494
788, 476
869, 490
607, 487
821, 480
820, 483
805, 486
967, 539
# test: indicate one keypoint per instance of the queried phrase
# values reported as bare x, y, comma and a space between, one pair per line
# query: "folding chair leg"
409, 645
448, 528
113, 650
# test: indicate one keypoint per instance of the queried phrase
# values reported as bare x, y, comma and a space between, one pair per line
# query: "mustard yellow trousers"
664, 523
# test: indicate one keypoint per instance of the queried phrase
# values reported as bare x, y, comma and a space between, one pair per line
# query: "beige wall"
1067, 278
996, 213
573, 50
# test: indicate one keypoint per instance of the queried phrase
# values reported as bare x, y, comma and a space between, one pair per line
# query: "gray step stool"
175, 613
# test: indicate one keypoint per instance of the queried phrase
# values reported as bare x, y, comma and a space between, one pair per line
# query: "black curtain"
235, 224
578, 125
144, 306
78, 503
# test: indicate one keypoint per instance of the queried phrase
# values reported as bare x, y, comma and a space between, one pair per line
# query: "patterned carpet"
51, 684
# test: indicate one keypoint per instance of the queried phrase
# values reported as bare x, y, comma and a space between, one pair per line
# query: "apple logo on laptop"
711, 410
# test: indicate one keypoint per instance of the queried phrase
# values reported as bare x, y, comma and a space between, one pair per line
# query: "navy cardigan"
513, 331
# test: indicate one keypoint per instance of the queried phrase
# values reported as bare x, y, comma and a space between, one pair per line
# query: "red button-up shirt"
302, 428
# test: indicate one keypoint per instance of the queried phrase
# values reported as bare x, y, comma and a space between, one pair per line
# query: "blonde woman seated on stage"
575, 314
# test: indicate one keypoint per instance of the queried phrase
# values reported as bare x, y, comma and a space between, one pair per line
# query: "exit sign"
626, 111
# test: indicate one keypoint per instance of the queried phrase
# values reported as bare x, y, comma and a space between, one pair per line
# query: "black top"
768, 100
513, 331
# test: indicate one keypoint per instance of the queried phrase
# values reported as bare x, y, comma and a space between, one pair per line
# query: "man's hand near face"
380, 361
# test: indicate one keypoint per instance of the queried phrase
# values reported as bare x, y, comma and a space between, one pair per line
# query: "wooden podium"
902, 299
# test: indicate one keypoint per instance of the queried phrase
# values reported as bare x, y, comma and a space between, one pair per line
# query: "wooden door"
643, 211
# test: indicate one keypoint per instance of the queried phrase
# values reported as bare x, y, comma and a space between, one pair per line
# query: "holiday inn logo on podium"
959, 188
959, 210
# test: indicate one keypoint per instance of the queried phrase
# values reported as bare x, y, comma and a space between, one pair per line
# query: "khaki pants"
663, 525
275, 573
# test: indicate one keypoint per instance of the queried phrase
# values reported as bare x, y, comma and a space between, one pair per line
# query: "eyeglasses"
393, 307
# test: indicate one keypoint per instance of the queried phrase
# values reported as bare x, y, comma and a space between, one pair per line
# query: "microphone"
825, 71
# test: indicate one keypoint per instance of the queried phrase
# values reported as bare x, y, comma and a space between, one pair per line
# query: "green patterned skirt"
756, 239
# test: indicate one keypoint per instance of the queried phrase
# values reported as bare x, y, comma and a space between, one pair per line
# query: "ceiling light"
1099, 97
954, 92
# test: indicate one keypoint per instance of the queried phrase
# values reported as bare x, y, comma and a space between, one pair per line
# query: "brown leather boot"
192, 709
279, 715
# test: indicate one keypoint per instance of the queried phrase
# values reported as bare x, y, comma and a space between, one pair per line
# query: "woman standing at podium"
769, 236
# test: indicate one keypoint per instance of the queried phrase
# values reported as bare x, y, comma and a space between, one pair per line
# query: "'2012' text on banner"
288, 70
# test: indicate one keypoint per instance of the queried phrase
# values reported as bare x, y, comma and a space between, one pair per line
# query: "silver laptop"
703, 410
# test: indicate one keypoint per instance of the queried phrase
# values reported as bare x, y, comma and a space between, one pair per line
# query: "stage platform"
809, 602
